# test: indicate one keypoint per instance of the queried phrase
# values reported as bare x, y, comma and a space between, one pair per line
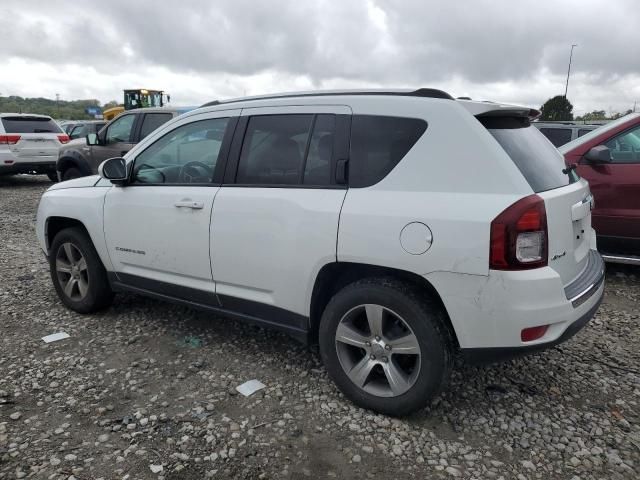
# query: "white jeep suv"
394, 228
29, 144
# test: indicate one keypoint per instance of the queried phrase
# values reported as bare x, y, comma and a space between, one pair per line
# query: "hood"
77, 183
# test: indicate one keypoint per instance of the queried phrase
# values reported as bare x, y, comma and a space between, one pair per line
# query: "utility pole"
569, 70
58, 103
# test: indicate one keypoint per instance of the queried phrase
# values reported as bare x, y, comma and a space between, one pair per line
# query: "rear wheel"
385, 345
77, 272
71, 173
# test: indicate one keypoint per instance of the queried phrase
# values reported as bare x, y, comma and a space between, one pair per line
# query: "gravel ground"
146, 390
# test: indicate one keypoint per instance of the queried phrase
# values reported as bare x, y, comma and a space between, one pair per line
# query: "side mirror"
599, 154
92, 139
114, 170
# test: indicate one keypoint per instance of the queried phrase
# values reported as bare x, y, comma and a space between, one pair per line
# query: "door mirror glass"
114, 170
599, 154
92, 139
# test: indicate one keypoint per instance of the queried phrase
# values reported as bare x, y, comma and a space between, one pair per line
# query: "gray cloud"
385, 42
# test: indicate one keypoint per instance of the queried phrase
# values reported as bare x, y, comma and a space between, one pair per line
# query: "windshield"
597, 132
537, 159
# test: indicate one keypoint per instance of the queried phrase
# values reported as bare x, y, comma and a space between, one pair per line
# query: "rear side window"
378, 143
557, 136
537, 159
582, 131
30, 125
152, 121
291, 149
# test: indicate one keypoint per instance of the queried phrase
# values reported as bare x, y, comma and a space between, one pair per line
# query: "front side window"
120, 130
188, 154
378, 143
152, 121
625, 148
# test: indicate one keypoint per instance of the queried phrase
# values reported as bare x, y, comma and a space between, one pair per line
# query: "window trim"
340, 148
221, 162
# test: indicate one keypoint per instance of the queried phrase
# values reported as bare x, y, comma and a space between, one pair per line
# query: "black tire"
425, 318
53, 176
98, 294
71, 173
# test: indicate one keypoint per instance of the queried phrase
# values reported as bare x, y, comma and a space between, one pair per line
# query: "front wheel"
77, 272
71, 173
385, 345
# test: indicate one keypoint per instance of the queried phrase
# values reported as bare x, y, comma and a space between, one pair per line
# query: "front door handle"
189, 204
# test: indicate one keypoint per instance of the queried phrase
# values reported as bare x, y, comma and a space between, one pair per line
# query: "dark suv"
82, 156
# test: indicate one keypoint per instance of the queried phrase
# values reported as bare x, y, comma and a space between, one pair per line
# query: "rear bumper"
489, 313
28, 167
493, 355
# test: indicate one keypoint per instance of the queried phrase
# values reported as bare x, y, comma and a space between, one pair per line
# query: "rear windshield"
30, 125
536, 158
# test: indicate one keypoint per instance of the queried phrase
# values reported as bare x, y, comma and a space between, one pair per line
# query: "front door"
275, 220
157, 226
616, 189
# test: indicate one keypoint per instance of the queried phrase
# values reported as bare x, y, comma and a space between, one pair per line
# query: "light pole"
569, 70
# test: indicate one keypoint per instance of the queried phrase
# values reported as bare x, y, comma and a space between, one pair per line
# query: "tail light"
63, 138
519, 238
9, 139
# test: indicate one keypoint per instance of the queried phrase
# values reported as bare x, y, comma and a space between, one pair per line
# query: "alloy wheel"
71, 269
378, 350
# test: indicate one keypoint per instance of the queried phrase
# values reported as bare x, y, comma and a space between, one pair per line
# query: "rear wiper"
41, 130
571, 171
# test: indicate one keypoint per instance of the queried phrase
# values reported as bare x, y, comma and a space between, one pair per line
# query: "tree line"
58, 109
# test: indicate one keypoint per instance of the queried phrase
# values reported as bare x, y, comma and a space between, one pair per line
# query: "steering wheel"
196, 172
156, 170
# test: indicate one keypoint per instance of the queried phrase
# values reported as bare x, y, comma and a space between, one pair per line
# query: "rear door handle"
189, 204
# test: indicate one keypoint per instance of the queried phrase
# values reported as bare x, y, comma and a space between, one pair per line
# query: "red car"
609, 158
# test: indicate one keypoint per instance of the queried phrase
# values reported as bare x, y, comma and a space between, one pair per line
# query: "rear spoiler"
509, 111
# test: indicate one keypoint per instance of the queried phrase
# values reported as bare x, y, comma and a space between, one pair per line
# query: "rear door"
38, 138
275, 219
567, 199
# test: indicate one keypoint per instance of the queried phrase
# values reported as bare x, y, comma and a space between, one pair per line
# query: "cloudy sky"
200, 50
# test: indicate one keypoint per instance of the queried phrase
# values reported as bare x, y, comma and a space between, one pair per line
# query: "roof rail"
421, 92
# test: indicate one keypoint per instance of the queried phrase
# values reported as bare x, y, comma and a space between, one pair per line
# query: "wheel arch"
332, 277
70, 159
56, 224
